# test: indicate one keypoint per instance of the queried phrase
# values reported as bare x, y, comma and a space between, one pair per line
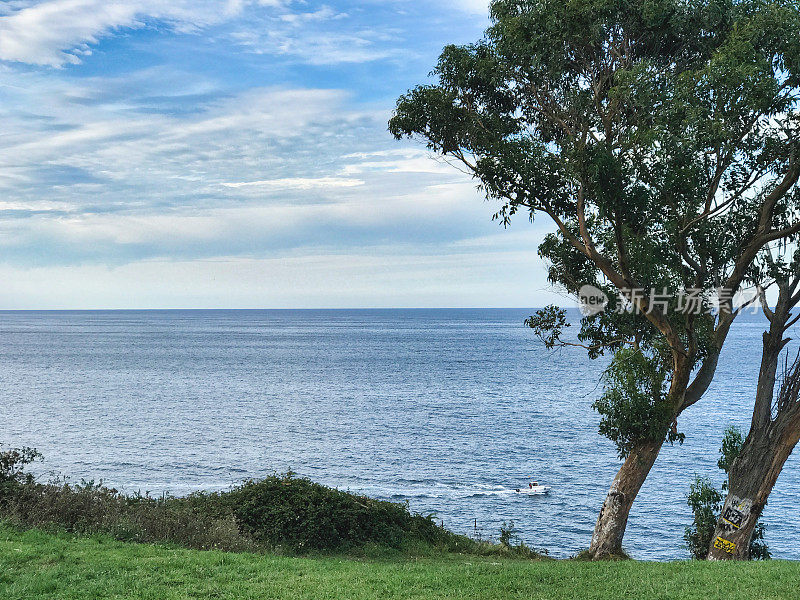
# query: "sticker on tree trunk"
735, 512
724, 545
733, 517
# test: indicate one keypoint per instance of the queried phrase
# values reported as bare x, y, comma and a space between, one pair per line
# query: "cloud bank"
154, 150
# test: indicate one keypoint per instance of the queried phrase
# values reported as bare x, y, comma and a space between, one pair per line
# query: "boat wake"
450, 491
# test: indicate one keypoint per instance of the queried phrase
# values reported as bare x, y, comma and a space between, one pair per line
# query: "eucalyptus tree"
659, 138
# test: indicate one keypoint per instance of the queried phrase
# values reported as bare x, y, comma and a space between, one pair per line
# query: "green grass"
37, 565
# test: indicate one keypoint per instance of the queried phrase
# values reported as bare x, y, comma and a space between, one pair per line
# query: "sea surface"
449, 410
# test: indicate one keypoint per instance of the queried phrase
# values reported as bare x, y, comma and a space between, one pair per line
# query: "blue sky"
235, 154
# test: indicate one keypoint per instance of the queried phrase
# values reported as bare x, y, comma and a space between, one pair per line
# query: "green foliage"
510, 544
650, 134
12, 470
732, 444
200, 521
759, 550
705, 500
634, 106
508, 534
300, 515
281, 512
634, 406
548, 324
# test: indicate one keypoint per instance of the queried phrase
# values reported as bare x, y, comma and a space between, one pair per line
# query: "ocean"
446, 409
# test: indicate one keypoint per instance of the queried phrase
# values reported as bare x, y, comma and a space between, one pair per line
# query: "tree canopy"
659, 136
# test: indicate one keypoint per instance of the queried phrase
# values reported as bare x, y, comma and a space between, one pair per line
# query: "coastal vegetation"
282, 514
287, 536
660, 140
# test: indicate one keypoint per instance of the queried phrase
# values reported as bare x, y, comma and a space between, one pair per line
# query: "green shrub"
300, 515
198, 521
705, 501
634, 406
281, 512
12, 470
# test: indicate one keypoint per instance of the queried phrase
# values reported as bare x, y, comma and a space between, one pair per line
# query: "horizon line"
2, 310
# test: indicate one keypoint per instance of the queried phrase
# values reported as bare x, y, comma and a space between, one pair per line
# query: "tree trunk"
610, 527
752, 478
769, 443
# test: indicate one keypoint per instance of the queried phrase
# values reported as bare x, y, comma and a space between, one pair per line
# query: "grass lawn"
36, 565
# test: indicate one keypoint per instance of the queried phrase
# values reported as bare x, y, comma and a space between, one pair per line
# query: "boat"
533, 489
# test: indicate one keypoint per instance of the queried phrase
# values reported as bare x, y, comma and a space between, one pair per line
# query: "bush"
12, 470
199, 521
300, 515
634, 405
705, 501
281, 512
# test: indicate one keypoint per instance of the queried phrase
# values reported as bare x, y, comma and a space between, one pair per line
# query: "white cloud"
297, 183
176, 186
59, 32
263, 171
404, 160
297, 36
156, 157
475, 7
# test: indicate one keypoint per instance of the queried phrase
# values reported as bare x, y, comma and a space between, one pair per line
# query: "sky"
235, 154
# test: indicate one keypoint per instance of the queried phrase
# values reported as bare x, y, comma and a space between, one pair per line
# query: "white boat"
533, 488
